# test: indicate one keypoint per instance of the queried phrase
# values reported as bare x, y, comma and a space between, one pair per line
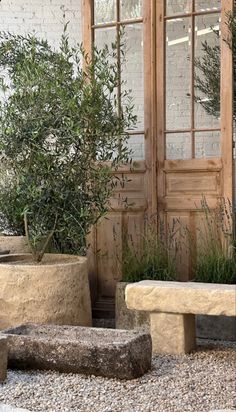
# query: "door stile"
87, 19
160, 103
226, 105
150, 104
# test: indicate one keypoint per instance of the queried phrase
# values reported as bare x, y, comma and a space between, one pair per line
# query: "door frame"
154, 116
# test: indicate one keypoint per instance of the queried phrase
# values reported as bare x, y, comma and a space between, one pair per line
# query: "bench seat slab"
172, 334
182, 297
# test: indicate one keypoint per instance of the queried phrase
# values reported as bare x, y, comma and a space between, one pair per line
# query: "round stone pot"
54, 291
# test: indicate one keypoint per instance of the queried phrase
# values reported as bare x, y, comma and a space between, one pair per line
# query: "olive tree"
61, 136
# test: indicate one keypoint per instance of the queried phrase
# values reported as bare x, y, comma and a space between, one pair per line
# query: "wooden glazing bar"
134, 132
120, 23
194, 130
192, 59
118, 57
196, 13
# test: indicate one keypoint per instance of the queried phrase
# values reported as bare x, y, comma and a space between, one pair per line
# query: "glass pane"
178, 146
104, 11
205, 5
207, 144
207, 72
136, 144
178, 7
178, 74
132, 70
104, 36
131, 9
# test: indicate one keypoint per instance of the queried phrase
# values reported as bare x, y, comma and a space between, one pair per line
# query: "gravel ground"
198, 382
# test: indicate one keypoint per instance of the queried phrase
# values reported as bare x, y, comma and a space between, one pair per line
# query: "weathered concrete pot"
207, 327
14, 244
127, 318
53, 291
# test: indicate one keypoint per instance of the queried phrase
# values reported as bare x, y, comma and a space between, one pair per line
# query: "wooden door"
194, 149
134, 198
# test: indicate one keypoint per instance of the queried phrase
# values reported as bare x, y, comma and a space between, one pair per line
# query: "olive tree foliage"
207, 79
60, 138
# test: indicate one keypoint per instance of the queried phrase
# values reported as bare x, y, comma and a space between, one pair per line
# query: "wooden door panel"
109, 241
186, 184
127, 206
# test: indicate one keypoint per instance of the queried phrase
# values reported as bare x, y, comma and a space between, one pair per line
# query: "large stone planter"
207, 327
127, 318
14, 244
54, 291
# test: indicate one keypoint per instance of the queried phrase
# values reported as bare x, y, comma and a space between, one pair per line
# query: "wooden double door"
188, 153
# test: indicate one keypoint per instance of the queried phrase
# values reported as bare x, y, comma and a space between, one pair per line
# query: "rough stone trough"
173, 306
94, 351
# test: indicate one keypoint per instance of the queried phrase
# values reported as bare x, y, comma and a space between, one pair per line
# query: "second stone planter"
126, 318
55, 291
14, 244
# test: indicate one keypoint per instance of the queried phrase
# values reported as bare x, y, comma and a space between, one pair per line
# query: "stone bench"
3, 358
173, 306
76, 349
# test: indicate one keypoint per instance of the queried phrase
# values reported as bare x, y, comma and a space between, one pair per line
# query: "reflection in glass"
131, 9
206, 5
207, 144
178, 7
132, 70
136, 145
178, 146
105, 36
104, 11
178, 74
206, 28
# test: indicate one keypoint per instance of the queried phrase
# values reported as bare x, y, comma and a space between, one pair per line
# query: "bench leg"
172, 333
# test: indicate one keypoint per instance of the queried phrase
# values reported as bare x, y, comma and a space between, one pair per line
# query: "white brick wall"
45, 18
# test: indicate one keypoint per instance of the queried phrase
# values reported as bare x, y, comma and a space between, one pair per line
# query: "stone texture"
172, 334
127, 318
14, 244
54, 291
216, 327
9, 408
3, 358
182, 297
106, 352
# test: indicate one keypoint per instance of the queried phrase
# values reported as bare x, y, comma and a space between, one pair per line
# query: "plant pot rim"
49, 260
